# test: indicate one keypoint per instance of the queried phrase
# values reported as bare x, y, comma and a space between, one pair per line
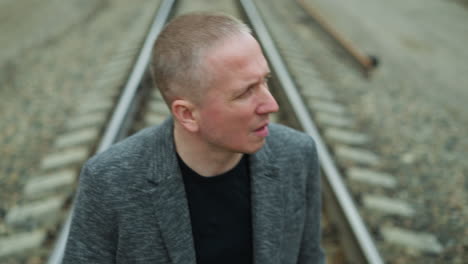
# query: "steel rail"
332, 175
114, 130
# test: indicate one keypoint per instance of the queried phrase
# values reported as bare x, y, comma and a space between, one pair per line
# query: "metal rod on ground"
365, 243
367, 62
113, 130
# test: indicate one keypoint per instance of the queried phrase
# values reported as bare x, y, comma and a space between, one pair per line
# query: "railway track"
307, 107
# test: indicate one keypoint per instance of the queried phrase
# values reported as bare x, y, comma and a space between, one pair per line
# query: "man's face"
233, 112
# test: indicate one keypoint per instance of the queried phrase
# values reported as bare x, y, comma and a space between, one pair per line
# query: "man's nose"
268, 103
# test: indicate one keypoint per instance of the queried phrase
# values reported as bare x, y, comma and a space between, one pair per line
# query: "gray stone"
292, 51
312, 92
408, 238
388, 205
114, 71
102, 93
87, 120
357, 155
154, 119
77, 137
65, 158
296, 61
118, 63
334, 120
106, 82
159, 107
346, 136
326, 106
95, 98
371, 177
307, 71
127, 51
156, 95
21, 242
118, 58
35, 212
96, 106
311, 80
38, 186
129, 47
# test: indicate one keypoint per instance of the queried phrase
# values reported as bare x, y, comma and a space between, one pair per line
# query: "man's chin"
256, 148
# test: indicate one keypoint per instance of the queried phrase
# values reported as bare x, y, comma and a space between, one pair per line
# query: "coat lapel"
169, 198
174, 220
267, 208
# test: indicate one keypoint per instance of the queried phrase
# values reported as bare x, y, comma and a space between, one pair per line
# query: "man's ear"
184, 113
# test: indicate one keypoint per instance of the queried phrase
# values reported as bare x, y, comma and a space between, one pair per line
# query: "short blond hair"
177, 65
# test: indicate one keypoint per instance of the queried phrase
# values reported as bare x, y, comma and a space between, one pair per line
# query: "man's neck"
203, 159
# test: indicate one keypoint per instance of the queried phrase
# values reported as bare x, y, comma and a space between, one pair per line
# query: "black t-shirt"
220, 213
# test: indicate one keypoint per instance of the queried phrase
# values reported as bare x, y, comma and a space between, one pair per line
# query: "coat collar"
171, 207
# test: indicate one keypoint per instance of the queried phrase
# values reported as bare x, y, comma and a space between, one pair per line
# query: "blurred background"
413, 104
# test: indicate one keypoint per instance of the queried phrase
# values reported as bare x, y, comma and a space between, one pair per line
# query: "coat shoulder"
126, 151
132, 159
286, 139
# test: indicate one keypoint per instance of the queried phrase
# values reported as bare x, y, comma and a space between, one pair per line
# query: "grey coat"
131, 205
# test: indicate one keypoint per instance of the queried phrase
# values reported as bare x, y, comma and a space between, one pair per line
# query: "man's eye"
248, 91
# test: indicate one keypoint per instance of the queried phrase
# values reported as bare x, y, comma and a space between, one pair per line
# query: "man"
215, 183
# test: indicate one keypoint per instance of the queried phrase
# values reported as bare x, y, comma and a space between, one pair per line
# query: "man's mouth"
262, 131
